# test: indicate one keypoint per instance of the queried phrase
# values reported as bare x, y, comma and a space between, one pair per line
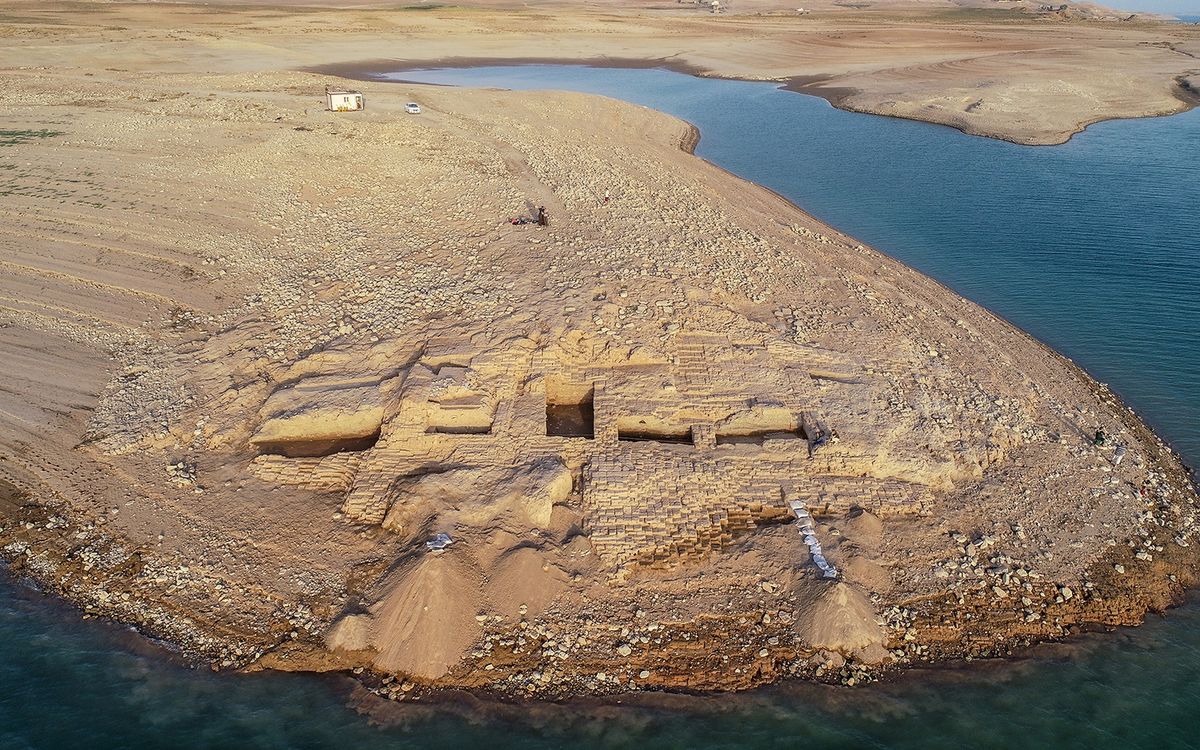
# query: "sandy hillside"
263, 362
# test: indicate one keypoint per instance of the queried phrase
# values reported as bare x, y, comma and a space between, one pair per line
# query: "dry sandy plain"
257, 355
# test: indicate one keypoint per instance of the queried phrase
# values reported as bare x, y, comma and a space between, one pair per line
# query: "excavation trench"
318, 448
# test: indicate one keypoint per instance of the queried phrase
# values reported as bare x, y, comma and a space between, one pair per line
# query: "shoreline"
193, 647
481, 707
838, 97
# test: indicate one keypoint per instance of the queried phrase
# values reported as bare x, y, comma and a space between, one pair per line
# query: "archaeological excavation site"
681, 438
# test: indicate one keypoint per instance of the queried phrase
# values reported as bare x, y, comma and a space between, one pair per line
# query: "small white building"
344, 101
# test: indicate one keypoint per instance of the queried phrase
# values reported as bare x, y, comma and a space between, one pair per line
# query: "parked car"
412, 108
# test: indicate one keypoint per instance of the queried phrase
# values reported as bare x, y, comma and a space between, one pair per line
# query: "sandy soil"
257, 355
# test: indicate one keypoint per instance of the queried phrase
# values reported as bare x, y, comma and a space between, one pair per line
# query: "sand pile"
428, 611
842, 619
524, 581
423, 619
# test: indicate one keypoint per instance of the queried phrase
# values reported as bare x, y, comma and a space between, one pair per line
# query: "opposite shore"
842, 97
1026, 78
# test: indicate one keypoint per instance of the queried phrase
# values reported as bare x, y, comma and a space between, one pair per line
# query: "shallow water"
1093, 246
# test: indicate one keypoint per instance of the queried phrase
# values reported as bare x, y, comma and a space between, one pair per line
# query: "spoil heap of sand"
842, 619
423, 620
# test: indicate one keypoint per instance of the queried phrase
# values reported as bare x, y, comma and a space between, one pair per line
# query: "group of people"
541, 218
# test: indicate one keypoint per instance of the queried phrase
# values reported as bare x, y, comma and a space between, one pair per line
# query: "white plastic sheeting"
808, 531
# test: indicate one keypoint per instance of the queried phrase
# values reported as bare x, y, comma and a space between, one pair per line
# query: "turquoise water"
1092, 246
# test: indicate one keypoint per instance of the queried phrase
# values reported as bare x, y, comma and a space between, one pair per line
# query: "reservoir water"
1093, 246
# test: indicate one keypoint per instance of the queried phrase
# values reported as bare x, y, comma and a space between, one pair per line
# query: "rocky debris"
182, 473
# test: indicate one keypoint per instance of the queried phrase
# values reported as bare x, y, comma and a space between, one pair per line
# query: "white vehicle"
412, 108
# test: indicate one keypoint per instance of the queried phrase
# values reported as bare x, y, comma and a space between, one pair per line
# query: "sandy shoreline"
838, 96
617, 418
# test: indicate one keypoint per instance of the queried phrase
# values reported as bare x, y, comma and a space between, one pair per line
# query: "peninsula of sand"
298, 389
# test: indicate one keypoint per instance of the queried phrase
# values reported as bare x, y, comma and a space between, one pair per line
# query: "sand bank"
259, 356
